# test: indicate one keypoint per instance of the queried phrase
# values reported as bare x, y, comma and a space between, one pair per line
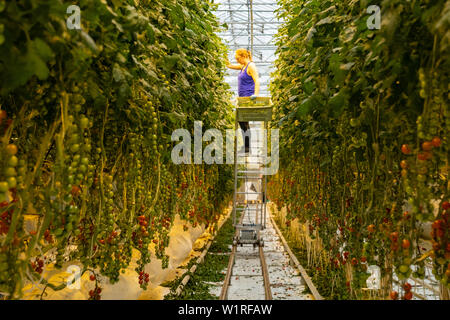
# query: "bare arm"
233, 66
253, 72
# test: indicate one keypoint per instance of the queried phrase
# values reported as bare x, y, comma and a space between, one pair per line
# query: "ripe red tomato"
436, 246
394, 295
422, 156
405, 149
92, 277
406, 244
427, 146
3, 115
436, 224
408, 295
445, 205
394, 236
11, 149
403, 164
75, 191
407, 287
436, 142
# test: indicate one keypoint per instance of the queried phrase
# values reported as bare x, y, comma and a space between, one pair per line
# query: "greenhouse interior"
224, 150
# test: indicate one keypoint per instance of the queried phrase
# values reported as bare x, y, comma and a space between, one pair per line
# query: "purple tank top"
246, 85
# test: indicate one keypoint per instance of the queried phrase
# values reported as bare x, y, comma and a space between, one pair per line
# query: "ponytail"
249, 55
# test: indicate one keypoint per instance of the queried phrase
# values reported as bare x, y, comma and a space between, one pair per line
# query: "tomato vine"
364, 123
86, 121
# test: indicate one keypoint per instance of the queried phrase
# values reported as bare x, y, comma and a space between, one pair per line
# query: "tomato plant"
364, 126
86, 122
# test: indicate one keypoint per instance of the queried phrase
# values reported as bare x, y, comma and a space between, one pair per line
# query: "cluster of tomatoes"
38, 265
95, 293
9, 176
408, 295
143, 278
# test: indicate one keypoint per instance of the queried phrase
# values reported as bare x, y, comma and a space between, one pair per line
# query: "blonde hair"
244, 53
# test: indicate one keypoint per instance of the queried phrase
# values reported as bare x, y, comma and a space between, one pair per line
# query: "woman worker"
248, 84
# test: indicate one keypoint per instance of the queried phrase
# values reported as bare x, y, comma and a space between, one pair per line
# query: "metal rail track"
265, 272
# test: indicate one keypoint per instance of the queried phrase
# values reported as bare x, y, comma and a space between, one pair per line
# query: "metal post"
251, 26
235, 168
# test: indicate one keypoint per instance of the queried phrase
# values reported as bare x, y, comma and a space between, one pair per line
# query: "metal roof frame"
252, 25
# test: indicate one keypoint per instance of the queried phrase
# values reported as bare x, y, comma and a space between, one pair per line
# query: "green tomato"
10, 172
75, 147
4, 186
403, 268
84, 123
13, 161
12, 182
74, 138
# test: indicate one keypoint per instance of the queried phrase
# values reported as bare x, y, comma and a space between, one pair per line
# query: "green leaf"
118, 75
338, 102
308, 87
170, 61
42, 49
305, 107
